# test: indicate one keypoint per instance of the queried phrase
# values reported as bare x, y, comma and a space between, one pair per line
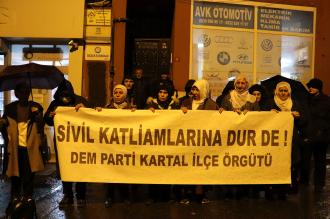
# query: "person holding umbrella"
22, 128
65, 96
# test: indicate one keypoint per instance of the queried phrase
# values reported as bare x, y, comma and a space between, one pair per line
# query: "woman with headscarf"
239, 100
226, 90
260, 93
282, 102
199, 101
119, 101
162, 101
187, 89
200, 97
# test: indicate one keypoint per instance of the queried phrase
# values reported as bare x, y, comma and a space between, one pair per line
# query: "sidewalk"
48, 192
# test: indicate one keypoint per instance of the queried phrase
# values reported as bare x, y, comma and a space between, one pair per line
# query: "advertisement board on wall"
285, 20
254, 38
97, 52
98, 16
224, 15
219, 55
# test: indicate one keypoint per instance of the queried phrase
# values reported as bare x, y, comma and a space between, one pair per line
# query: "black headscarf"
165, 104
263, 103
64, 90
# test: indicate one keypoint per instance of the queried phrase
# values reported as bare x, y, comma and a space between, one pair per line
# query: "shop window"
2, 59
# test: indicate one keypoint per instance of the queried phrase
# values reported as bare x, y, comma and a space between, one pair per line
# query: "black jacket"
208, 104
299, 123
318, 127
64, 89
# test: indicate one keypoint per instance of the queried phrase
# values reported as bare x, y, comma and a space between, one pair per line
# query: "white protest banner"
170, 147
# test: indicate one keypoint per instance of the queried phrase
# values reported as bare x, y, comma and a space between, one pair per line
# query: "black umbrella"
37, 76
299, 92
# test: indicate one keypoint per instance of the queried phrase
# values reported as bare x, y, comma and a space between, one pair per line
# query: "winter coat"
112, 106
156, 105
142, 92
65, 88
318, 127
299, 123
227, 105
208, 104
34, 134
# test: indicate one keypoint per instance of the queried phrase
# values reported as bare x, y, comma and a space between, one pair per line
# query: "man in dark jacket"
65, 96
142, 89
316, 135
128, 82
22, 128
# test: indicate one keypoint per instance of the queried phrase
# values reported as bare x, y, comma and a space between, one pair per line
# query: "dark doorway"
97, 87
149, 21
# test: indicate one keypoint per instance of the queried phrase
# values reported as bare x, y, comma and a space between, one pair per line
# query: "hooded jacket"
65, 89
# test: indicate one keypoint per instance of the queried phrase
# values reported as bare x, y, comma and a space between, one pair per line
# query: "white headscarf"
284, 105
240, 99
122, 87
123, 103
204, 89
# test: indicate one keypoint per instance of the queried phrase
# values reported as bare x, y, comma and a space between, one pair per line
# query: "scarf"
204, 89
284, 105
122, 105
240, 99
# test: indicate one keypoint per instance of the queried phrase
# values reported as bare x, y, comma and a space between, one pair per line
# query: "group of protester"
23, 121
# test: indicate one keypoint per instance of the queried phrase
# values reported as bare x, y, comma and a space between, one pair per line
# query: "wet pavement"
48, 192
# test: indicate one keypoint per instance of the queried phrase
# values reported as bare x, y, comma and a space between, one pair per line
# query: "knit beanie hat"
315, 83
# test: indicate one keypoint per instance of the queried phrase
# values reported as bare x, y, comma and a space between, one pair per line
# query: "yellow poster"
170, 147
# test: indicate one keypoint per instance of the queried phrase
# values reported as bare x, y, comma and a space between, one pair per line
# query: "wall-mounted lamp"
75, 43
